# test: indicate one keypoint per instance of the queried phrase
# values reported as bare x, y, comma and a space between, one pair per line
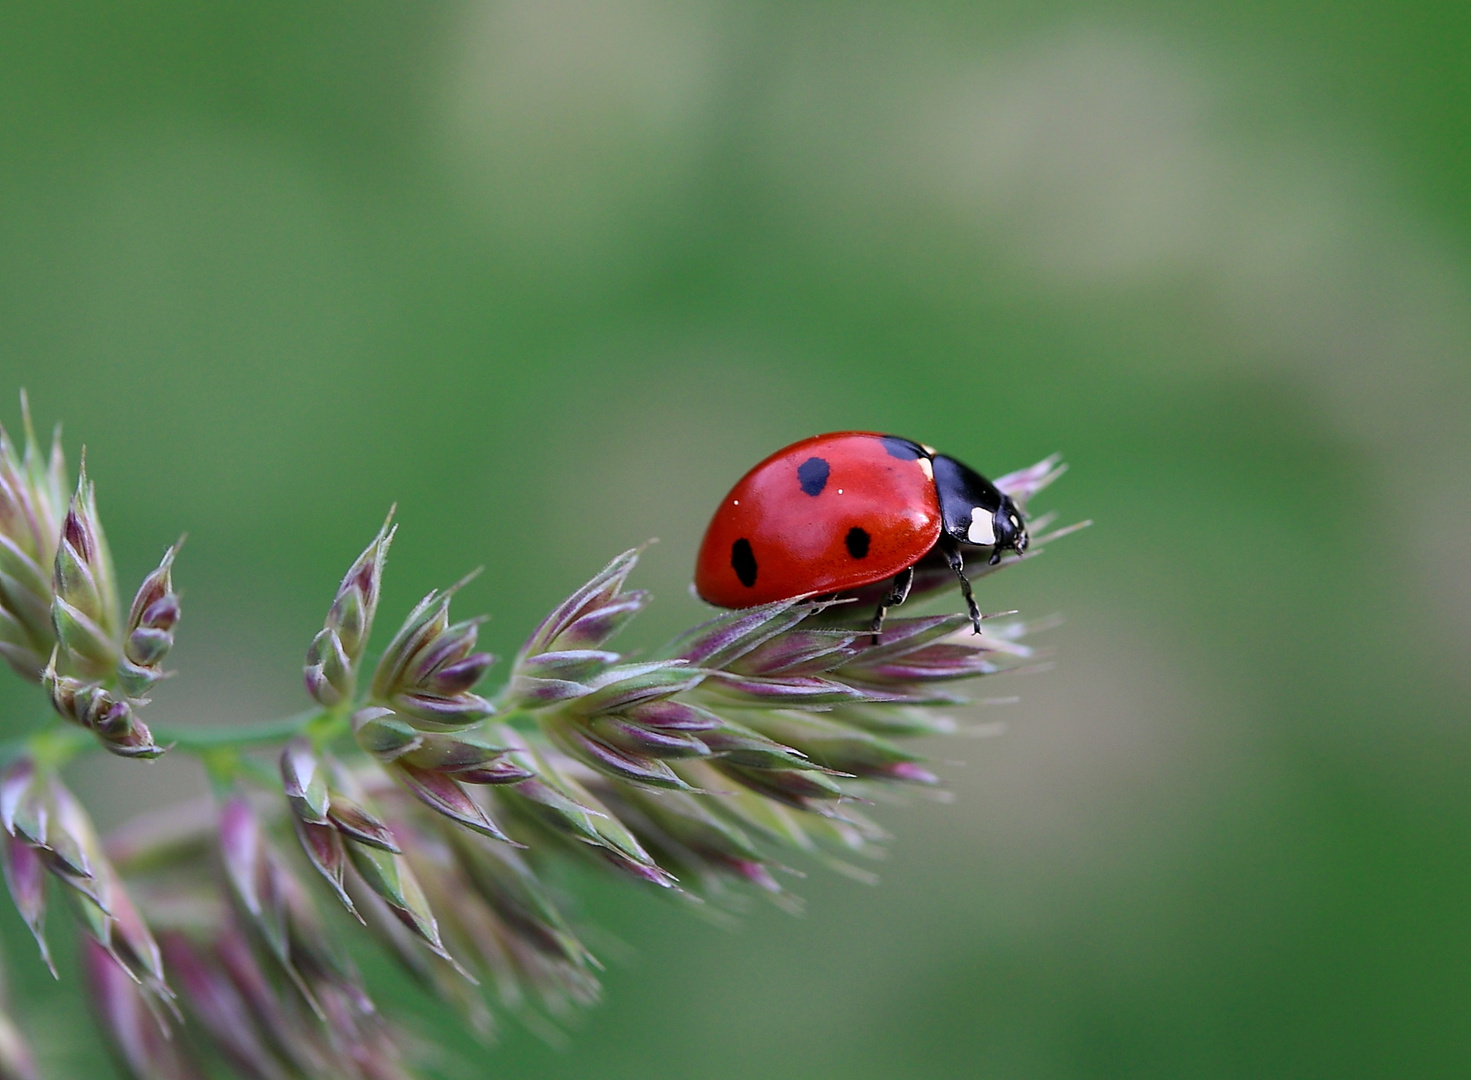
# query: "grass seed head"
701, 770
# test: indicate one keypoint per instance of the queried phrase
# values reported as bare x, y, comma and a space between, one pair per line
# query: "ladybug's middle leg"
957, 563
897, 594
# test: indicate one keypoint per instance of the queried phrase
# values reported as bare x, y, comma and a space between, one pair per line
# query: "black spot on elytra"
902, 449
857, 541
743, 561
812, 474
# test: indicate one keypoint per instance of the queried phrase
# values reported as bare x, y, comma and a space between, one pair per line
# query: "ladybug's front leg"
951, 551
897, 594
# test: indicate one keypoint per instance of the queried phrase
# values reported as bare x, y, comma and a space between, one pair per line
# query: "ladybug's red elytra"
834, 513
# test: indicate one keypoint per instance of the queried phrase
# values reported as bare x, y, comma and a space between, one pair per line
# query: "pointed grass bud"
23, 809
591, 615
612, 689
30, 815
148, 634
684, 829
445, 795
502, 878
838, 747
248, 868
382, 734
916, 652
218, 1006
71, 849
802, 691
671, 716
370, 847
438, 975
360, 825
87, 647
297, 1038
592, 724
941, 662
75, 857
435, 766
326, 850
570, 664
137, 1035
798, 652
467, 759
902, 637
427, 671
32, 502
738, 745
389, 877
84, 609
48, 829
91, 706
332, 659
629, 766
328, 673
555, 801
660, 729
800, 789
25, 874
635, 738
128, 737
1021, 485
521, 952
132, 941
618, 846
304, 778
726, 638
275, 906
628, 686
314, 788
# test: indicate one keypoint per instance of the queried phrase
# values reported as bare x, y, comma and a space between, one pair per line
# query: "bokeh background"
552, 275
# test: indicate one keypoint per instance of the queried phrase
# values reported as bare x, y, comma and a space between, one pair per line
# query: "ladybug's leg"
897, 594
957, 563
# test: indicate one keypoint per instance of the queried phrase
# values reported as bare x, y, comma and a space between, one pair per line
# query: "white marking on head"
980, 526
927, 468
737, 502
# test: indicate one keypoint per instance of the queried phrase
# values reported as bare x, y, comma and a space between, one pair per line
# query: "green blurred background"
552, 275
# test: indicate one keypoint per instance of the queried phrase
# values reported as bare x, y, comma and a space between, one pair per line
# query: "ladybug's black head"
1009, 529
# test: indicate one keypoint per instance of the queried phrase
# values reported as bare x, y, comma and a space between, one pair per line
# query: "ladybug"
840, 512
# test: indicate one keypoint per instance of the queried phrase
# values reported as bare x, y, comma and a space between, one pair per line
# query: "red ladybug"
834, 513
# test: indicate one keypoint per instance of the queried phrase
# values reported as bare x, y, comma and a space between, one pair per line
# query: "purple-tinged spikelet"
84, 607
139, 1040
333, 657
32, 503
49, 831
148, 634
428, 670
